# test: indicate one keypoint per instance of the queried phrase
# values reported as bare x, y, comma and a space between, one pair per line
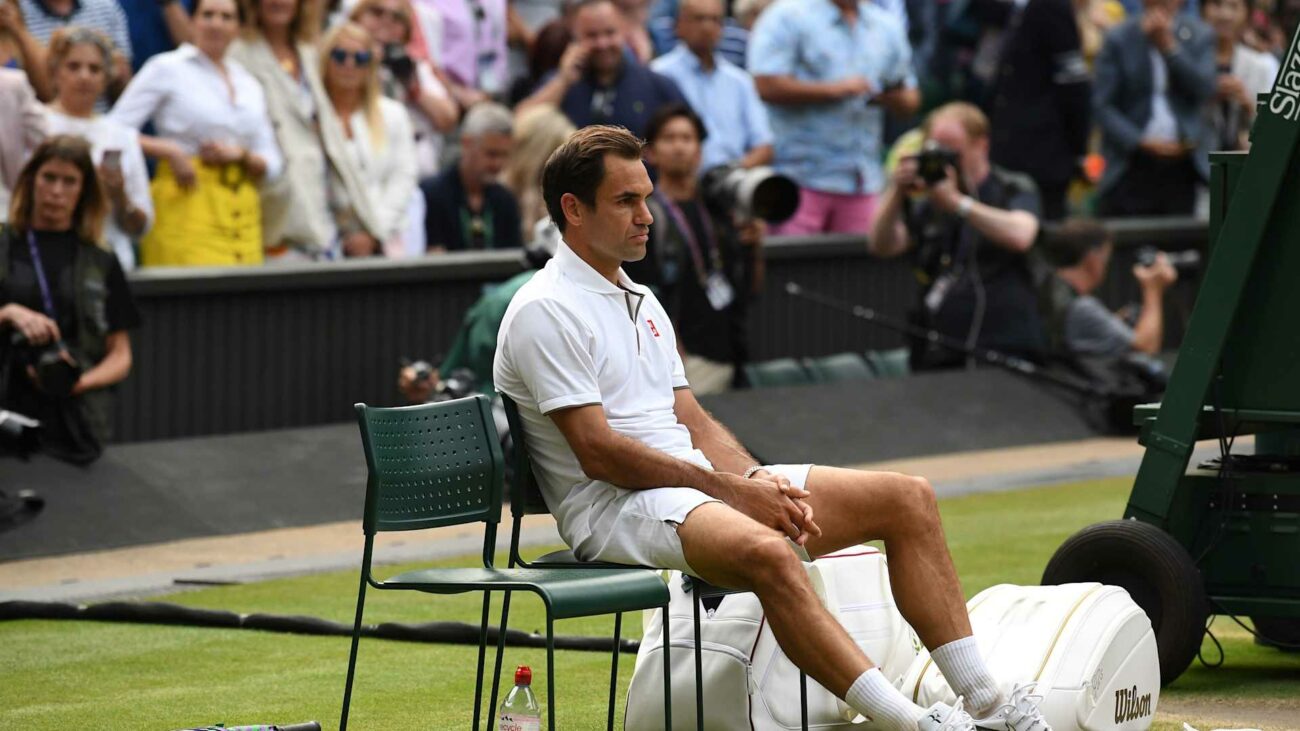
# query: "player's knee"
768, 557
917, 498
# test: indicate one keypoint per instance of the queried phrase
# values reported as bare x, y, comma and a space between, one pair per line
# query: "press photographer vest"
90, 269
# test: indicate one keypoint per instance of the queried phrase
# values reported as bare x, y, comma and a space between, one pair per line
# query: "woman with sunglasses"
81, 62
215, 146
278, 47
380, 142
406, 78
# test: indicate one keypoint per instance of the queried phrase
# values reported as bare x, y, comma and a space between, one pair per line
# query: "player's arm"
608, 456
709, 436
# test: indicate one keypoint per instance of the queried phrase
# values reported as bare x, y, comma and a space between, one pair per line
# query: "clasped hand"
773, 501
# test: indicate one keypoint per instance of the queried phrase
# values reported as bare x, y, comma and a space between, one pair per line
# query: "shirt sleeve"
1091, 329
901, 71
263, 143
550, 354
401, 178
146, 92
136, 173
774, 44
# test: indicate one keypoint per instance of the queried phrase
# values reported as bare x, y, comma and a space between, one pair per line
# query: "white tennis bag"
749, 684
1089, 647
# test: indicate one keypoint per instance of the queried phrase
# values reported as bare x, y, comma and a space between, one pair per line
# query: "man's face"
600, 28
676, 151
972, 154
1227, 17
699, 25
617, 228
487, 155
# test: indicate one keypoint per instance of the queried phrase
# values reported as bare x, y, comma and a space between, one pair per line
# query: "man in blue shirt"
829, 70
720, 92
598, 81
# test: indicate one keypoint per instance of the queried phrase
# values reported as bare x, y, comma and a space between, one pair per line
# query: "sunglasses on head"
360, 58
381, 12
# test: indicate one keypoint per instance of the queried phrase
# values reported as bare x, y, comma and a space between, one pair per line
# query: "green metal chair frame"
838, 368
526, 499
779, 372
440, 464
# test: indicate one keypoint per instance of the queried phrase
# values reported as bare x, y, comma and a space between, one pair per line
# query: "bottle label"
511, 722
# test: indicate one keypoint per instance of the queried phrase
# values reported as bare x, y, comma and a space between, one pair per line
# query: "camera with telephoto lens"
933, 161
399, 63
1184, 262
461, 382
56, 372
751, 193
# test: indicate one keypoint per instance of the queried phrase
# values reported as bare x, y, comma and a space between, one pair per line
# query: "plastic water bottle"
519, 711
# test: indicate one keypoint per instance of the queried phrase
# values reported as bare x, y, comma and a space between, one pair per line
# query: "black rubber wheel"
1154, 569
1280, 632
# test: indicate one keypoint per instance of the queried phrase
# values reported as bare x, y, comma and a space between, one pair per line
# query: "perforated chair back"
431, 465
525, 494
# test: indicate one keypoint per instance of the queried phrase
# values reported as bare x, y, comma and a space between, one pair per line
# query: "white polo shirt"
569, 338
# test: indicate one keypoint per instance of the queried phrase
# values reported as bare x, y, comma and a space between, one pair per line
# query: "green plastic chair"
890, 363
440, 464
838, 368
779, 372
526, 499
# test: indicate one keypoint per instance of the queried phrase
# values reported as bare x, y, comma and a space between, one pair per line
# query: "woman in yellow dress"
215, 146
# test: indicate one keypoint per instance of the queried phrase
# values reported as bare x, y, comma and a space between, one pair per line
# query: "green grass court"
60, 675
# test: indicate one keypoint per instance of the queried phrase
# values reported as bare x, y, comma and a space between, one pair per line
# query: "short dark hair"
667, 113
578, 166
1072, 240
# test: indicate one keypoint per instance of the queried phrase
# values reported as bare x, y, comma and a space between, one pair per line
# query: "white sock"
964, 669
876, 698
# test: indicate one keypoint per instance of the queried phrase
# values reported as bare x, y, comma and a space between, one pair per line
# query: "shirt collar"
830, 11
693, 62
191, 52
580, 272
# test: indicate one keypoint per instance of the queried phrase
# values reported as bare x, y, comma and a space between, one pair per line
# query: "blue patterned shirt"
832, 147
724, 98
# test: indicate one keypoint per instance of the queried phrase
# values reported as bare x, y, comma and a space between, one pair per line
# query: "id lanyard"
46, 298
688, 233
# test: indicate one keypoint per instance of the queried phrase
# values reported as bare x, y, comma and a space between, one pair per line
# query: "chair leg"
352, 656
496, 667
699, 667
550, 671
482, 657
803, 699
668, 676
613, 670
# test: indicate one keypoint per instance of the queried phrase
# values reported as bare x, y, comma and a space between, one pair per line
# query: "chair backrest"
779, 372
525, 494
431, 465
839, 367
890, 363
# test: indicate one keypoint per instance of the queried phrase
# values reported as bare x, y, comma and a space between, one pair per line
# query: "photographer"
411, 81
704, 265
970, 226
65, 307
1079, 325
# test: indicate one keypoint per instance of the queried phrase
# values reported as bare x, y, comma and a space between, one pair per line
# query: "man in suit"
1041, 112
23, 119
1154, 76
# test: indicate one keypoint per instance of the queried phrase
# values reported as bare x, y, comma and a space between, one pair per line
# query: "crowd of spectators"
250, 131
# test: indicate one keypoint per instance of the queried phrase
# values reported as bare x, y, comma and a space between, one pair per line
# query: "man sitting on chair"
636, 472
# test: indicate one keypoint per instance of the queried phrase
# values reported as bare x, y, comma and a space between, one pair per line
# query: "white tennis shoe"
1020, 713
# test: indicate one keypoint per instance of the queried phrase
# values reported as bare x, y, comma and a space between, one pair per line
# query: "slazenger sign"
1285, 100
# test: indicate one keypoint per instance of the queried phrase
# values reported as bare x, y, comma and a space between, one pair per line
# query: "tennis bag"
749, 684
1089, 647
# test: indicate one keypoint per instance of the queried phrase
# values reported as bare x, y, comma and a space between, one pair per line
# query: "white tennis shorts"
639, 527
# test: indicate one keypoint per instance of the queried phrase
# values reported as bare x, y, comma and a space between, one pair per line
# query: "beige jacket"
295, 207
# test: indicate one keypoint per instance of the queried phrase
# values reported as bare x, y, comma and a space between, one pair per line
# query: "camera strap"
46, 298
712, 279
